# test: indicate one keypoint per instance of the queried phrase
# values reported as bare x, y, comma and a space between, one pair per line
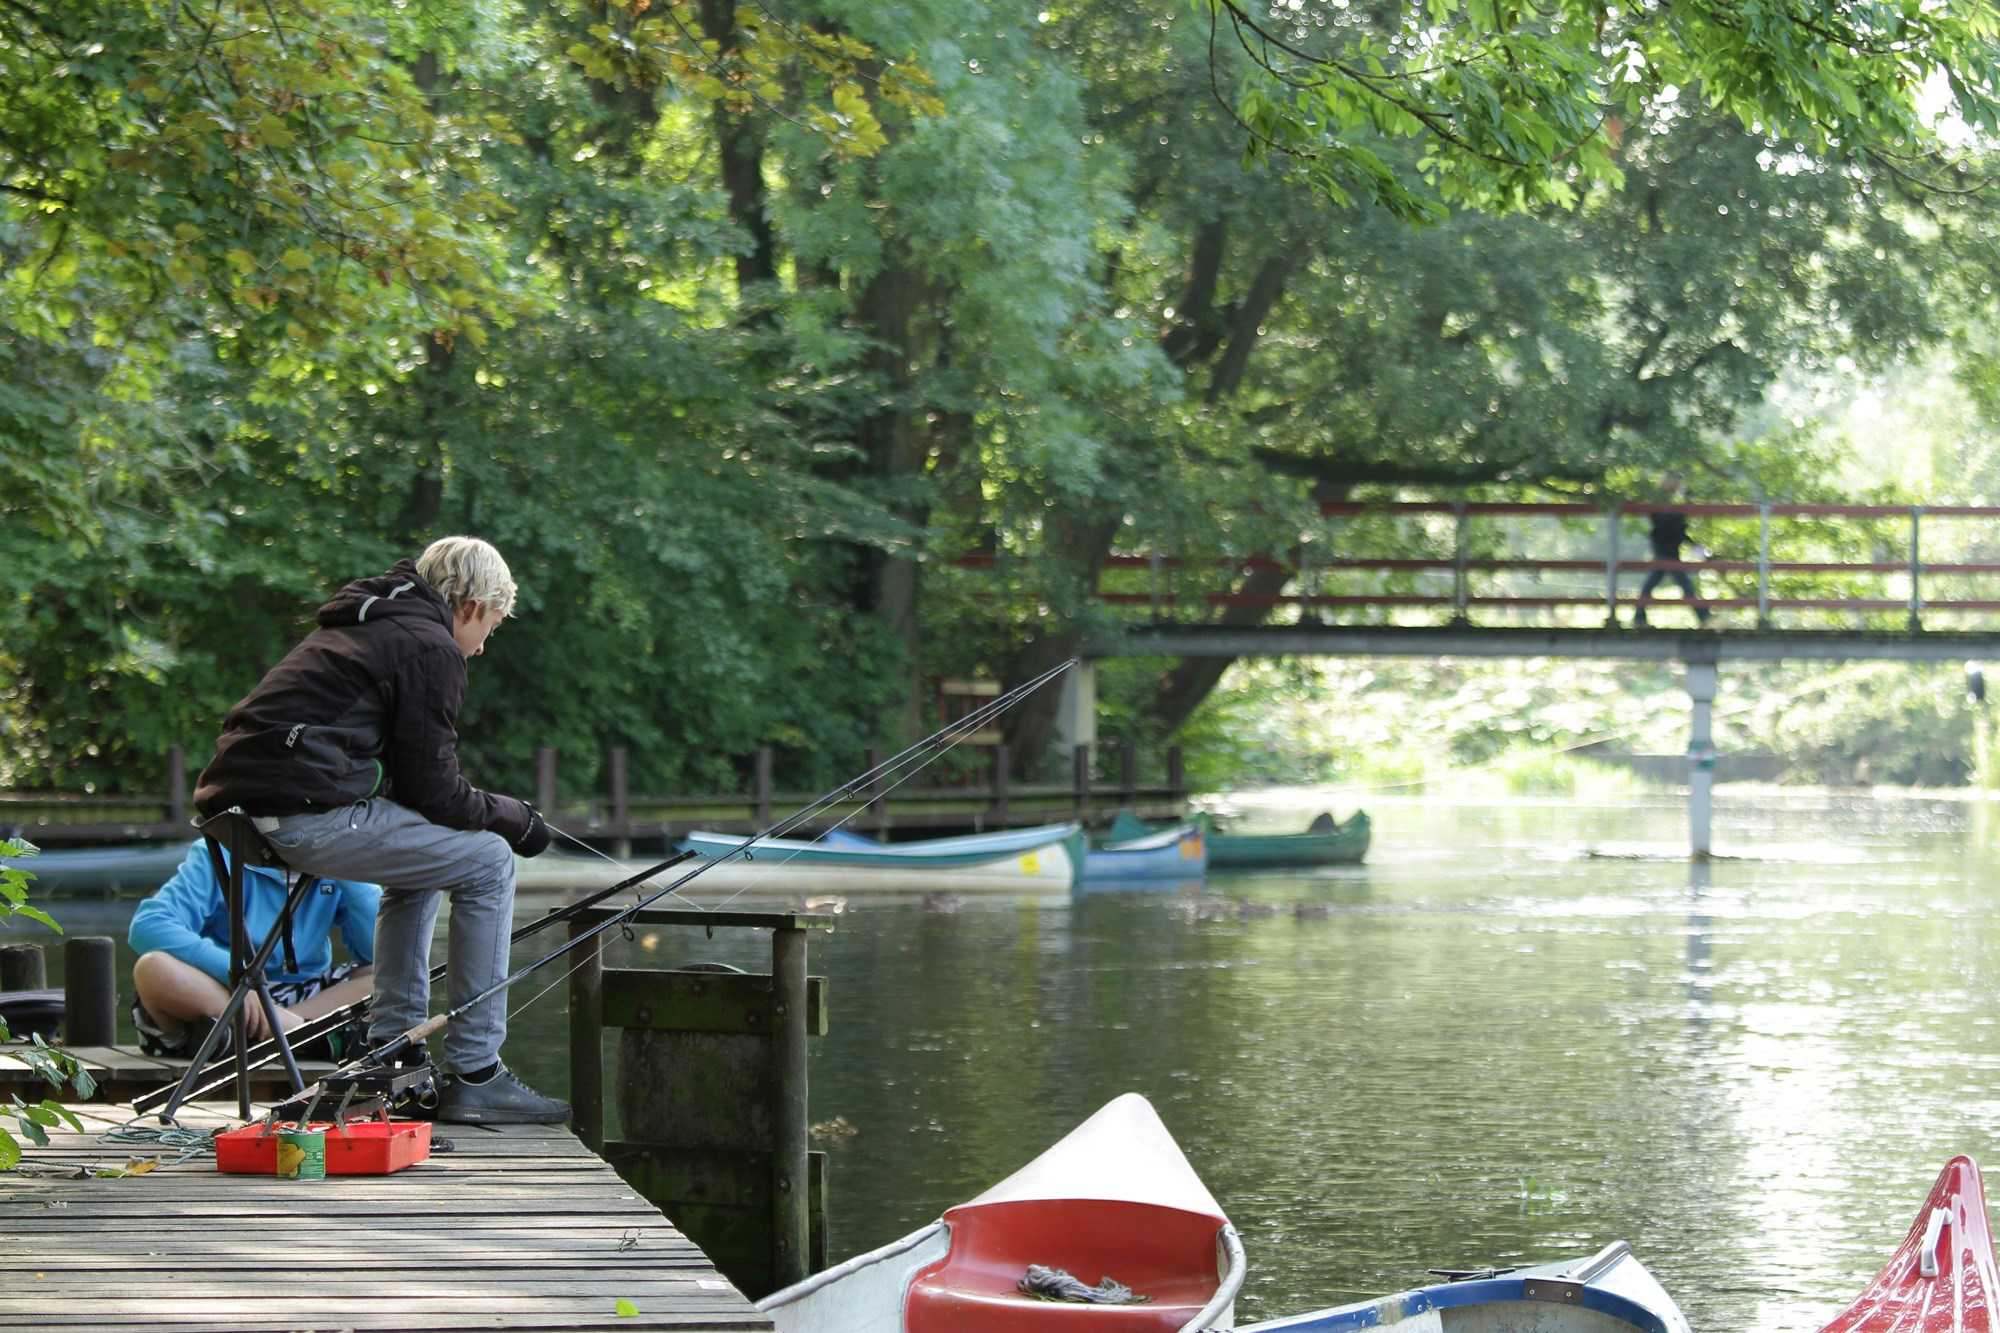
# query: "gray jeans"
414, 861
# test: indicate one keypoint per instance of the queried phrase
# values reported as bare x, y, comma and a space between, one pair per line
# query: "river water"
1519, 1032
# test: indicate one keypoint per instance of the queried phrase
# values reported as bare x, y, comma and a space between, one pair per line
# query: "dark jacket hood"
400, 592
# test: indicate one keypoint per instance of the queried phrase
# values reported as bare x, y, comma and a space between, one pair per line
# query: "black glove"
535, 840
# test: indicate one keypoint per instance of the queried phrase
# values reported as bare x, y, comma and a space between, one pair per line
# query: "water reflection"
1484, 1046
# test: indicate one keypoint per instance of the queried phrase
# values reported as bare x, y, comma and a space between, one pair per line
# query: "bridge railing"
1879, 545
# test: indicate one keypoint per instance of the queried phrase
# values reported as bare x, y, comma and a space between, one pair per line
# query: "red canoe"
1941, 1278
1114, 1199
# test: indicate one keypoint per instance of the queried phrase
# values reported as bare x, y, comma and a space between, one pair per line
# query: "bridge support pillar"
1076, 713
1701, 683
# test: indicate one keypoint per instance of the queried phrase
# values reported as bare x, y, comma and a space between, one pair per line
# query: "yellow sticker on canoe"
1031, 865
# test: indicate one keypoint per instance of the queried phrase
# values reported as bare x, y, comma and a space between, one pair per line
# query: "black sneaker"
500, 1100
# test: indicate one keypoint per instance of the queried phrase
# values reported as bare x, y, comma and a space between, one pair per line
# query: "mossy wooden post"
711, 1093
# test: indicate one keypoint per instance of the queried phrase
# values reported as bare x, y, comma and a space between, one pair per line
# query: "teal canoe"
1324, 843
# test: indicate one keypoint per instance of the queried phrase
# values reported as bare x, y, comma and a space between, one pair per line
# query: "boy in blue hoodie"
181, 934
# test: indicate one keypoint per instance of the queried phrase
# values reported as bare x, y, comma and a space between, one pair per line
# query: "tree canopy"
739, 328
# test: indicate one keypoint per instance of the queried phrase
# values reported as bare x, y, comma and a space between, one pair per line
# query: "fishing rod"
941, 740
221, 1070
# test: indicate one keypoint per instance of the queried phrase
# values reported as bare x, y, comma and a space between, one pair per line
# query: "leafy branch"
54, 1065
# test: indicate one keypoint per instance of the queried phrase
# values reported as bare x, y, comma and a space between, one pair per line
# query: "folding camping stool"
232, 831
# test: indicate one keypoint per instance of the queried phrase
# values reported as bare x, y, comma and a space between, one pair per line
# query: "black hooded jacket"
366, 705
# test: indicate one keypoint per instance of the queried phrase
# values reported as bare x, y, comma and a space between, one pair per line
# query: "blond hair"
466, 569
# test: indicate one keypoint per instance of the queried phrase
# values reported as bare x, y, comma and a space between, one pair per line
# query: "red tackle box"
364, 1148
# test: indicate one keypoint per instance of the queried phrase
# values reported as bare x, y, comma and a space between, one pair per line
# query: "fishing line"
917, 756
220, 1070
978, 717
611, 860
963, 727
772, 868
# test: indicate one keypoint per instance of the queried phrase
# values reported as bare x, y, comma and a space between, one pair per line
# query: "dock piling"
90, 990
23, 967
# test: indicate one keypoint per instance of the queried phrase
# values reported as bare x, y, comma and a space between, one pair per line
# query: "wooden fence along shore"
619, 815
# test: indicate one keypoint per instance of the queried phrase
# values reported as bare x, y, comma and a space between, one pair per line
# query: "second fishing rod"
914, 757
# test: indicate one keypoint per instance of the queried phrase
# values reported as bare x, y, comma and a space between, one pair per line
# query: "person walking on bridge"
1668, 534
345, 756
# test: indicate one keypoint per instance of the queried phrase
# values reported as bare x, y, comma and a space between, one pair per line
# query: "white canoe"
1115, 1199
1034, 861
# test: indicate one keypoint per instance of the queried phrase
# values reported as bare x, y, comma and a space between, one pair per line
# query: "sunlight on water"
1521, 1031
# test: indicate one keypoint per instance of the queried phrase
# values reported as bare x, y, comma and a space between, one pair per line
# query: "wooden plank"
523, 1230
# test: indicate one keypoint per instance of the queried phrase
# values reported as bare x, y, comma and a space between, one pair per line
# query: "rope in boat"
1055, 1284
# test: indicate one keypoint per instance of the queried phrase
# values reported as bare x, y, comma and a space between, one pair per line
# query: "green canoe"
1324, 843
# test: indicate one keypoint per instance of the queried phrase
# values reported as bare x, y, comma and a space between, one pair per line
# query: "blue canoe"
1180, 853
1607, 1291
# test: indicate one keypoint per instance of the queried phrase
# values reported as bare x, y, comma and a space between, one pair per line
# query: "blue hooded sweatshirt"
186, 917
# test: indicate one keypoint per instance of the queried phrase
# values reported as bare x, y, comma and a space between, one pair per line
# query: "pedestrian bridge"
1803, 582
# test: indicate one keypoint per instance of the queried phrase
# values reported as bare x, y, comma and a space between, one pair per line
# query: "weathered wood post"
1001, 763
711, 1093
23, 967
545, 780
1080, 781
90, 990
1916, 570
1461, 582
791, 1221
621, 800
1701, 683
177, 785
763, 794
1611, 516
878, 817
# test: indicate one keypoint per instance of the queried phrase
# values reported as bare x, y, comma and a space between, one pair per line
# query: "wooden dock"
516, 1228
122, 1073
